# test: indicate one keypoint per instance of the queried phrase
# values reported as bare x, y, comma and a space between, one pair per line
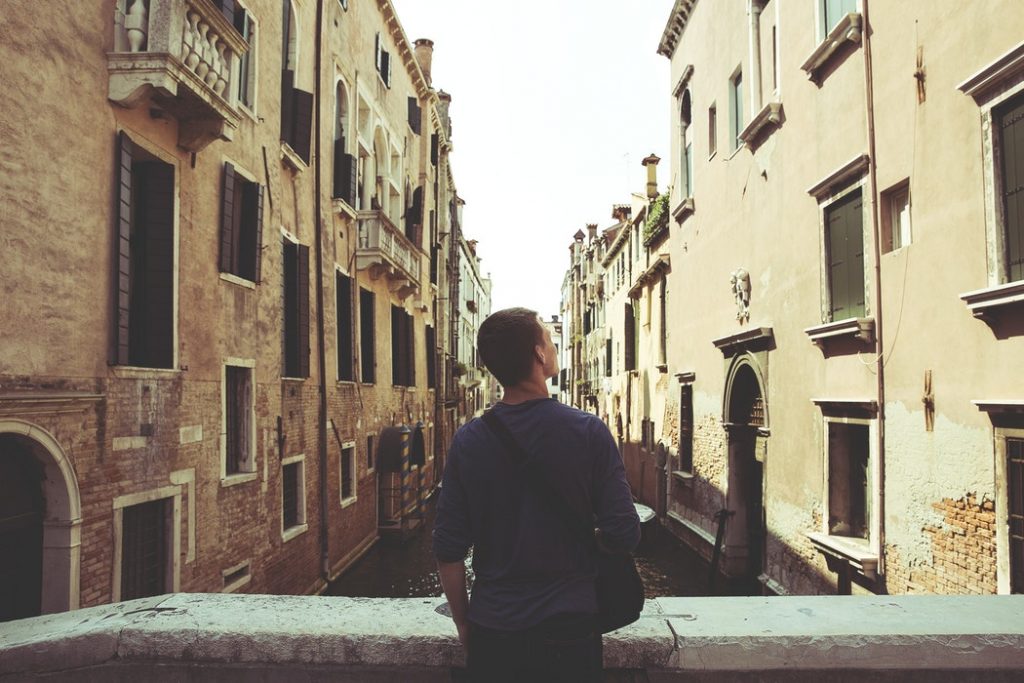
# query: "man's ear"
538, 353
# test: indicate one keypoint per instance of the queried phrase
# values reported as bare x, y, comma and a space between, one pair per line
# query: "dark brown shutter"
397, 357
228, 221
414, 217
410, 351
434, 146
385, 67
122, 251
844, 244
153, 295
303, 103
258, 273
608, 358
343, 306
367, 350
144, 550
287, 99
249, 228
1011, 147
430, 345
344, 173
629, 323
302, 301
415, 115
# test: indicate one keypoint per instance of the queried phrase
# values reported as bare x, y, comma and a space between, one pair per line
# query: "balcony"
385, 251
184, 54
268, 637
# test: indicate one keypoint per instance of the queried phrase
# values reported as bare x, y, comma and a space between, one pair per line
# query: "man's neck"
527, 390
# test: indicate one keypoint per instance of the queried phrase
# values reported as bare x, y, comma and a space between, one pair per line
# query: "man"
532, 615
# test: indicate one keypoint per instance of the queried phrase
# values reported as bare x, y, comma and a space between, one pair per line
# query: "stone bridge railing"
198, 637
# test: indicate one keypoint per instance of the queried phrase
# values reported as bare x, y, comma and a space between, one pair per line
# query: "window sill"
766, 121
291, 158
343, 207
683, 210
292, 532
848, 30
683, 477
287, 378
235, 479
983, 303
734, 152
236, 280
862, 329
345, 382
853, 551
248, 112
348, 501
137, 372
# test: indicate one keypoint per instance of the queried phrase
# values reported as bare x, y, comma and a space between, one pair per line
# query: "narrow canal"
405, 569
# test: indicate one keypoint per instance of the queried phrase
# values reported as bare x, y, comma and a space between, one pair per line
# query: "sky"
554, 105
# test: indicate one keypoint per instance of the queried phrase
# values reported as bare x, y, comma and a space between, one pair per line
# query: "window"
629, 323
1009, 125
348, 473
296, 104
367, 350
662, 323
896, 217
235, 577
344, 4
241, 225
246, 91
239, 421
414, 216
415, 115
345, 164
430, 347
834, 10
382, 61
849, 494
608, 357
369, 453
736, 119
343, 296
403, 364
146, 549
844, 256
1015, 510
685, 144
293, 496
145, 277
686, 428
296, 309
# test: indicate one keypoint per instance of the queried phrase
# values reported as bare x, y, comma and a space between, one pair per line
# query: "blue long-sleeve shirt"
530, 564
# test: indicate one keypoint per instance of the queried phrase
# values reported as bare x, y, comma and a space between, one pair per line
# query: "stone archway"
745, 416
61, 517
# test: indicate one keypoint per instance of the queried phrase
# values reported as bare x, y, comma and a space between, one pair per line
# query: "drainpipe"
325, 558
869, 98
754, 10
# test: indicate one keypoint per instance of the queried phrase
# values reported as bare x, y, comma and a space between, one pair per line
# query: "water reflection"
406, 569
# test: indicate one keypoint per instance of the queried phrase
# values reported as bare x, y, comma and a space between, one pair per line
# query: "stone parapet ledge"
235, 637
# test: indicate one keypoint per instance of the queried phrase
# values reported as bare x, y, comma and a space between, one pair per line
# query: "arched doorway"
746, 423
40, 524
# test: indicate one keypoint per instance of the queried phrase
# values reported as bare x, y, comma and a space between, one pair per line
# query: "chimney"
651, 164
472, 246
424, 56
592, 230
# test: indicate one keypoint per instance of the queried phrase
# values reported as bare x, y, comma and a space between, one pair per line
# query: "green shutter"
844, 249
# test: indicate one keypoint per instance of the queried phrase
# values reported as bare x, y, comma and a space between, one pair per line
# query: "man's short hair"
506, 341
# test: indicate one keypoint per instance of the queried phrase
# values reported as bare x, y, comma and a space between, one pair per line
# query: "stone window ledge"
984, 302
291, 158
765, 121
847, 30
236, 280
342, 207
683, 210
853, 551
241, 478
291, 532
853, 328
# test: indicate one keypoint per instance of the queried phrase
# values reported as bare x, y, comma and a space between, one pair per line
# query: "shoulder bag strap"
554, 500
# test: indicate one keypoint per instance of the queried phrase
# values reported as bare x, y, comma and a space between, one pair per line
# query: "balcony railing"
185, 54
384, 250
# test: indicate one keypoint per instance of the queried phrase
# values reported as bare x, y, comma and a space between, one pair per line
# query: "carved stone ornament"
740, 281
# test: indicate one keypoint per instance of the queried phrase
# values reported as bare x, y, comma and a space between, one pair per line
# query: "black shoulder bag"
620, 592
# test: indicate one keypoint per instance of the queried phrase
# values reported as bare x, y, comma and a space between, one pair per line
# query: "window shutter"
122, 251
248, 227
414, 217
1011, 147
303, 107
415, 115
287, 103
155, 216
410, 351
302, 333
608, 358
367, 352
844, 242
434, 146
629, 323
430, 345
385, 67
344, 174
258, 271
228, 222
343, 302
397, 357
377, 54
240, 21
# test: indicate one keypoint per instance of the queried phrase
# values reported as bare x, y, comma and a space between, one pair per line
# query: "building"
200, 370
554, 328
478, 387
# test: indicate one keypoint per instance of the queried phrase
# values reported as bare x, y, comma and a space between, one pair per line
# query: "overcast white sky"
554, 104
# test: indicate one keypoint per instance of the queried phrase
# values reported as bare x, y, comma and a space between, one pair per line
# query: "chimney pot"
424, 50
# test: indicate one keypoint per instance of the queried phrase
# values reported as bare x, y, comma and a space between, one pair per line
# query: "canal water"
395, 568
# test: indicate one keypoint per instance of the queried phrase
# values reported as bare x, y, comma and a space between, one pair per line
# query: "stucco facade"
193, 350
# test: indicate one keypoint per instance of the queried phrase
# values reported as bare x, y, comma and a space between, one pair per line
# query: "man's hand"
453, 581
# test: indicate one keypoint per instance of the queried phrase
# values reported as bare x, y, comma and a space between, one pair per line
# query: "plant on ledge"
657, 218
459, 368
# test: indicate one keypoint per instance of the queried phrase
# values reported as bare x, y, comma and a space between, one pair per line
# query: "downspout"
869, 98
325, 560
754, 10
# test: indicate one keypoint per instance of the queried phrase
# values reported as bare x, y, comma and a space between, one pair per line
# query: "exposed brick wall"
963, 552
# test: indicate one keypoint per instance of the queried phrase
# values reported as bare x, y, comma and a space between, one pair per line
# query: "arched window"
685, 145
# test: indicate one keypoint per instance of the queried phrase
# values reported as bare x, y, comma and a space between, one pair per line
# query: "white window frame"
253, 81
174, 560
826, 284
244, 173
874, 529
737, 118
348, 447
253, 473
819, 19
239, 582
301, 526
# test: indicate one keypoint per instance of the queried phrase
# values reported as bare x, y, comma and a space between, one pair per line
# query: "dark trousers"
562, 649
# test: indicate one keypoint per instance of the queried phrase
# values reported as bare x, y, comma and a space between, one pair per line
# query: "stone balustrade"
384, 249
262, 637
